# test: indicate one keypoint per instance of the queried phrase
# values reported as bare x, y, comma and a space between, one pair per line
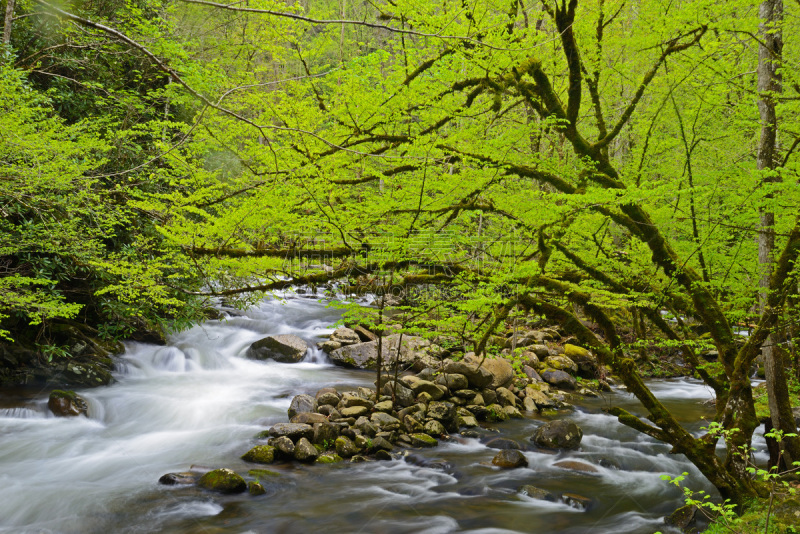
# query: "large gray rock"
304, 451
415, 352
442, 411
498, 367
559, 434
302, 404
478, 377
345, 336
559, 379
293, 431
402, 394
286, 348
452, 381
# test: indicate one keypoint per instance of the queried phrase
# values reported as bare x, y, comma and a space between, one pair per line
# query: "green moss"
330, 458
262, 473
260, 454
223, 481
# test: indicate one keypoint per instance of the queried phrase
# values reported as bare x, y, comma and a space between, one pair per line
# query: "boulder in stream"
66, 403
223, 481
286, 348
559, 434
510, 459
413, 352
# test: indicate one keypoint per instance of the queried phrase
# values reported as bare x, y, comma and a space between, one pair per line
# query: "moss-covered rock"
329, 458
223, 481
255, 488
260, 454
423, 440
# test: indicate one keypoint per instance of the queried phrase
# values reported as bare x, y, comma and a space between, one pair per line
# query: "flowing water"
199, 401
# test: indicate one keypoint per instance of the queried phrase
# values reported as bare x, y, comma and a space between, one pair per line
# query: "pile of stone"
416, 409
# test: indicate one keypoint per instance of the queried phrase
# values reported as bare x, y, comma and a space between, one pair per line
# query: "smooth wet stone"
366, 427
559, 379
345, 447
379, 443
177, 479
286, 348
304, 451
256, 488
329, 458
510, 459
452, 381
354, 411
309, 418
345, 336
538, 493
327, 398
302, 404
422, 440
350, 400
561, 363
293, 431
478, 377
434, 428
66, 403
284, 447
512, 412
383, 406
503, 443
385, 421
383, 455
561, 434
442, 411
325, 434
495, 413
574, 465
576, 501
260, 454
223, 481
505, 397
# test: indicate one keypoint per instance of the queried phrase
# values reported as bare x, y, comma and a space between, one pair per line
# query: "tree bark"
7, 22
770, 53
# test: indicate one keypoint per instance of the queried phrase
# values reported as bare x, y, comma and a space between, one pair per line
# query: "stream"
198, 402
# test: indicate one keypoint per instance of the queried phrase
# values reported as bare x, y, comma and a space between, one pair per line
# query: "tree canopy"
592, 162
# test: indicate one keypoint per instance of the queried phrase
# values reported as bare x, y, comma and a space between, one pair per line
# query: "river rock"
512, 412
345, 336
327, 397
586, 362
537, 493
354, 411
285, 348
414, 352
531, 373
452, 381
422, 440
66, 403
302, 404
345, 447
177, 479
381, 444
385, 421
505, 397
309, 418
284, 447
350, 400
434, 428
509, 459
442, 411
559, 434
576, 501
478, 377
364, 334
256, 488
559, 379
419, 386
329, 458
325, 434
260, 454
223, 481
574, 465
402, 394
293, 431
366, 427
304, 451
561, 363
496, 414
682, 518
499, 368
503, 443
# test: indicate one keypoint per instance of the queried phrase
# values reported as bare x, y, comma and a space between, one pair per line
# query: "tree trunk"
770, 53
7, 22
